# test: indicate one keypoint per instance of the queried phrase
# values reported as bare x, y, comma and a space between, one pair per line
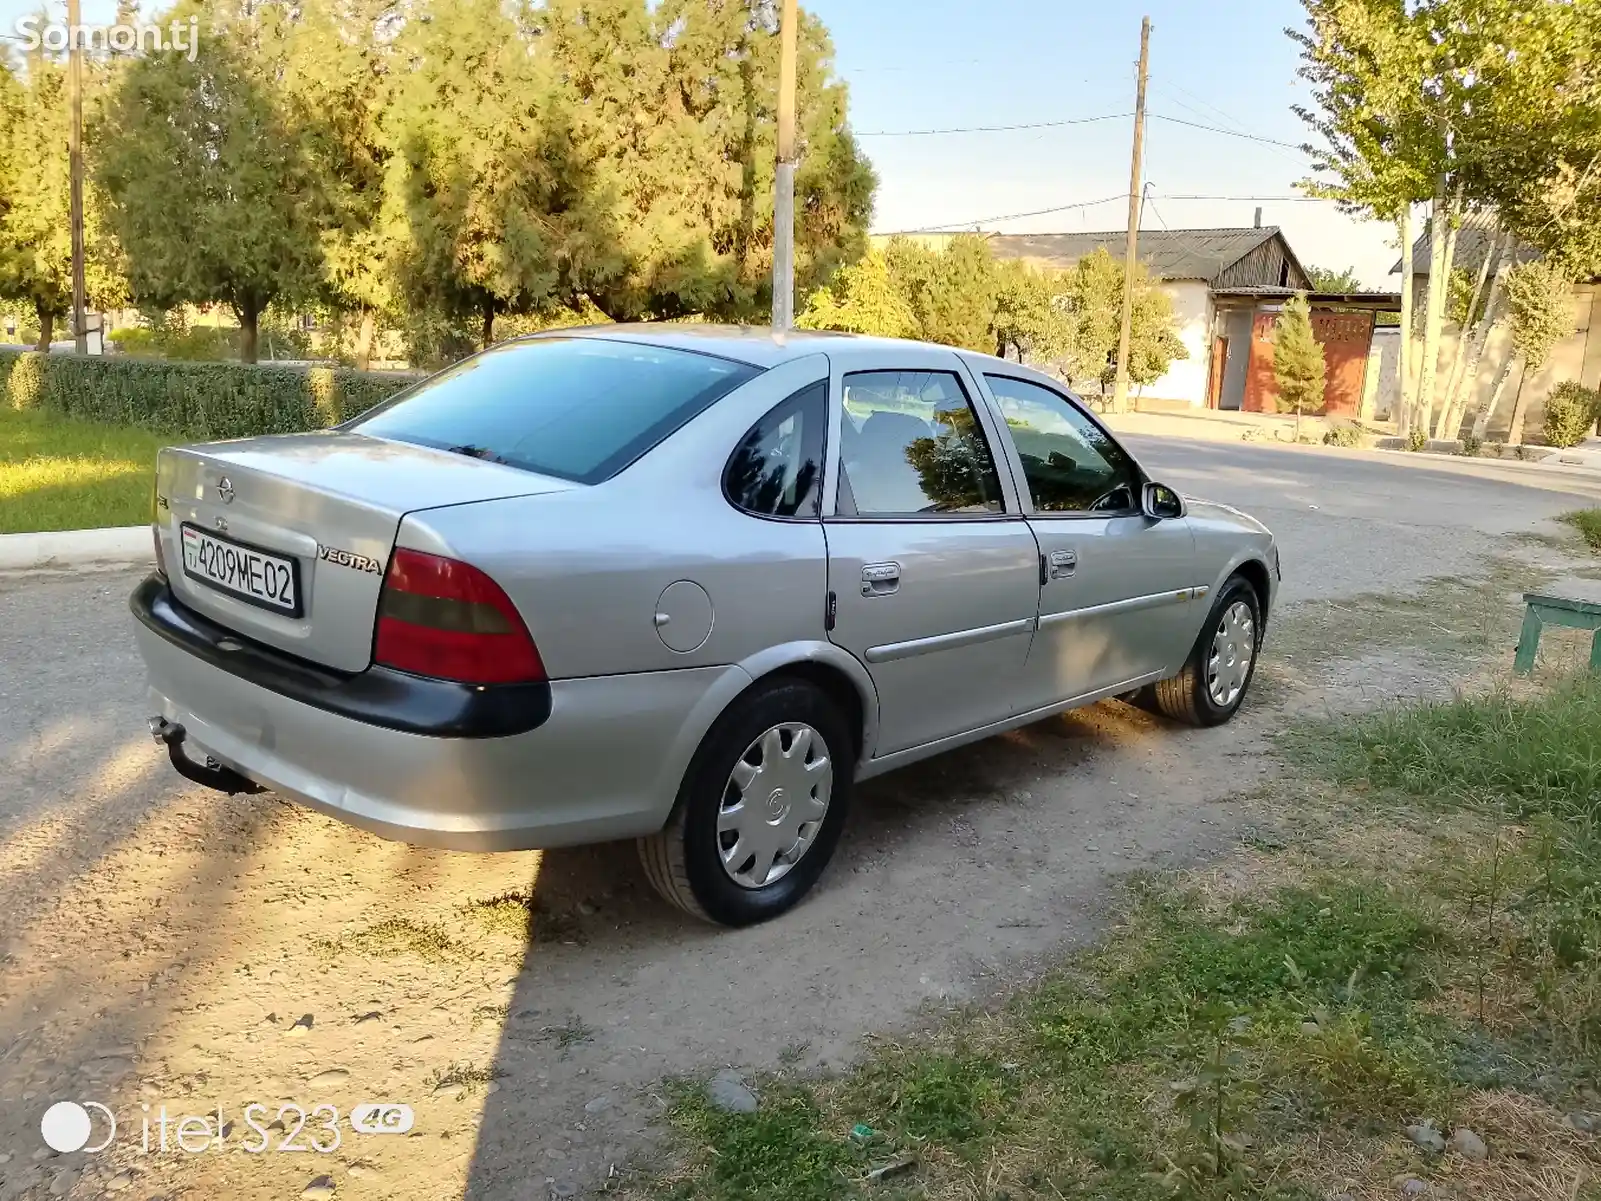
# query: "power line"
1060, 208
1274, 199
1085, 204
924, 133
956, 129
1233, 133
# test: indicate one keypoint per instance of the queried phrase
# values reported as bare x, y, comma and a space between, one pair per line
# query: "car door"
1115, 593
933, 574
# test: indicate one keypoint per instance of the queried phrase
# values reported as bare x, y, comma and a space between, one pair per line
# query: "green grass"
1270, 1039
61, 474
1539, 754
1087, 1084
1588, 523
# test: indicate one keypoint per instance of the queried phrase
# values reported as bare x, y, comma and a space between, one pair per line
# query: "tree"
960, 296
674, 108
862, 298
951, 291
1379, 153
1326, 279
1471, 104
212, 194
1540, 302
1032, 317
1094, 300
35, 225
338, 78
1298, 367
483, 199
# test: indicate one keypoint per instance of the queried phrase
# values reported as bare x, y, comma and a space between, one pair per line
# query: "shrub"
1570, 412
193, 400
1343, 435
1416, 440
1472, 447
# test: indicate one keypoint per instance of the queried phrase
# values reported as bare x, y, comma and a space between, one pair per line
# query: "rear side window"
581, 409
777, 469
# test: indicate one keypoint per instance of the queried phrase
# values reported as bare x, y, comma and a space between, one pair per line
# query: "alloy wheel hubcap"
1233, 648
773, 804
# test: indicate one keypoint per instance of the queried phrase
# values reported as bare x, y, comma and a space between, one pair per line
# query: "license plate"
271, 581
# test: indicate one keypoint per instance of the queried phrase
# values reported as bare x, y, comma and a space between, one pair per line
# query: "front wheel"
1220, 668
760, 810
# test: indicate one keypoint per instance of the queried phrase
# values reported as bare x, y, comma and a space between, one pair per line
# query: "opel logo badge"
225, 490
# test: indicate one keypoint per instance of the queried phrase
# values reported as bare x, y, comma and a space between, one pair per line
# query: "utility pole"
784, 178
80, 335
1131, 258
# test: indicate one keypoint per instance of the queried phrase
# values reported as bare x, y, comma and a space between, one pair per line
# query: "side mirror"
1158, 502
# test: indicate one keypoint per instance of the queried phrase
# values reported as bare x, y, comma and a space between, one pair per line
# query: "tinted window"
777, 469
909, 444
578, 408
1069, 462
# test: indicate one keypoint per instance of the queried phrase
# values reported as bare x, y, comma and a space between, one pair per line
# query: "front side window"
577, 408
1071, 465
910, 445
777, 469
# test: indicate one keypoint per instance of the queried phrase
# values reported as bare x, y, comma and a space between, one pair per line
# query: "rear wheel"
1220, 668
760, 809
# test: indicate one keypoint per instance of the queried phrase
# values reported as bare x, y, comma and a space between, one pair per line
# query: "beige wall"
1192, 315
1576, 357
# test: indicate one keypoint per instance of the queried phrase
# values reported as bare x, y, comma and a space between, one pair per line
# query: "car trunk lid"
237, 519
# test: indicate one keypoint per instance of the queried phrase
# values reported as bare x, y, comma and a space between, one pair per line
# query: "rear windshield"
578, 408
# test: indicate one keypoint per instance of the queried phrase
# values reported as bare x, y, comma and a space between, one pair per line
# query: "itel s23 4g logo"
346, 558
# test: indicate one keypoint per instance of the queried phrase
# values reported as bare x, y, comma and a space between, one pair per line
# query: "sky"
939, 64
935, 64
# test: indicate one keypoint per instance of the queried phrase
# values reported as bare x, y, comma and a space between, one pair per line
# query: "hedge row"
191, 400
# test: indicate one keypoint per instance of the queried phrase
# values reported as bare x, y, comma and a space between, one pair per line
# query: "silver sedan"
683, 585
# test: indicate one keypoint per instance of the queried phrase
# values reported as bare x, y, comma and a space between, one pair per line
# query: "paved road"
155, 938
1350, 522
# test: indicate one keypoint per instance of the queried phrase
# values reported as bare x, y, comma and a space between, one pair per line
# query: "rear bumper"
603, 762
379, 696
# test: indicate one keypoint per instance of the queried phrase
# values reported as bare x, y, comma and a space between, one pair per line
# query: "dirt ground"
164, 947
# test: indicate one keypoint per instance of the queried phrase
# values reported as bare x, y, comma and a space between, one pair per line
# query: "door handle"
1063, 563
881, 579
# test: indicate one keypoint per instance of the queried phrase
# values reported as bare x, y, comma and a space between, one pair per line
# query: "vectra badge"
346, 558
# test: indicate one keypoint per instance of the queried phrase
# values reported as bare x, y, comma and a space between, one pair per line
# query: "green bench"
1572, 603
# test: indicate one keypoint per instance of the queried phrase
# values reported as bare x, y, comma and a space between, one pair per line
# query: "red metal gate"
1346, 339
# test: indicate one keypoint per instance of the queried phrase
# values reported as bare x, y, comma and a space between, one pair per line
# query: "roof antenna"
1259, 216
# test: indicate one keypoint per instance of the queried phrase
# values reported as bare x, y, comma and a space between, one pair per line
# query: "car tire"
684, 860
1190, 696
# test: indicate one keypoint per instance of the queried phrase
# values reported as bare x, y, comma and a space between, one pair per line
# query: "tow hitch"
211, 773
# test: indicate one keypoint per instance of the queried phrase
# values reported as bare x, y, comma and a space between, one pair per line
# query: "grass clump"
397, 936
779, 1151
522, 916
1588, 523
467, 1078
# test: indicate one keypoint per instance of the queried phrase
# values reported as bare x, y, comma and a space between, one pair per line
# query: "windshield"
580, 409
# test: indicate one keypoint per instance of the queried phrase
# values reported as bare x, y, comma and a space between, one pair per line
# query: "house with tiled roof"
1227, 286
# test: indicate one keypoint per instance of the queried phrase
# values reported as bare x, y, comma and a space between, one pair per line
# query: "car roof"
757, 345
761, 346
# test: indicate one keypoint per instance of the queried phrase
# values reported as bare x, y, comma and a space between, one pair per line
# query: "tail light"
443, 618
